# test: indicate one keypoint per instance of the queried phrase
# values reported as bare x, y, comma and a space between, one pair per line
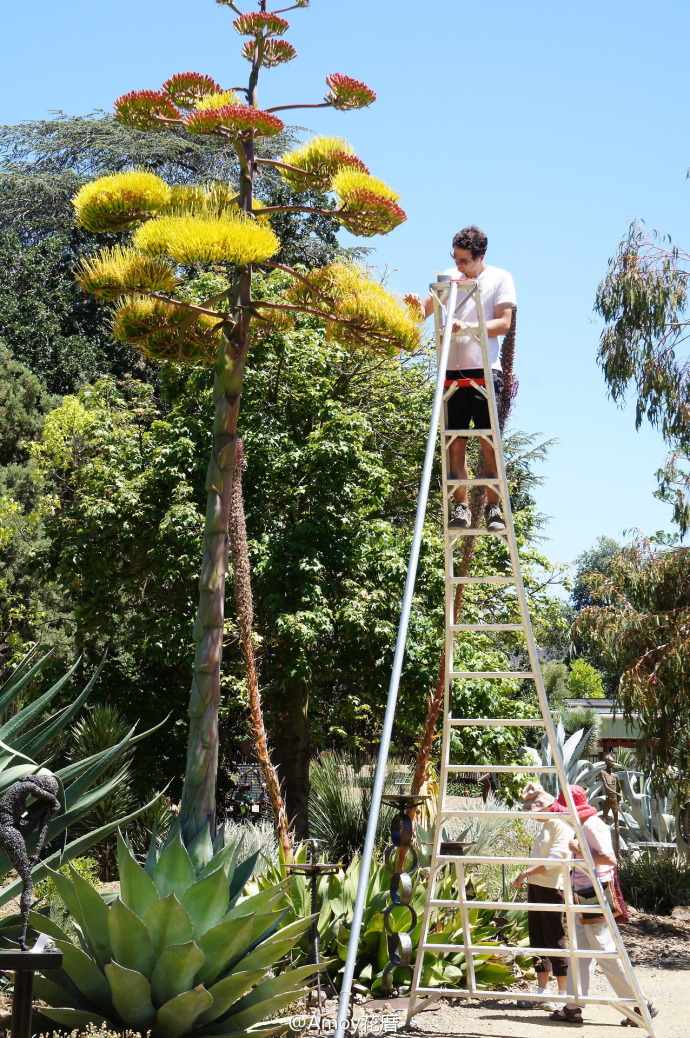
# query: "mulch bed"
657, 940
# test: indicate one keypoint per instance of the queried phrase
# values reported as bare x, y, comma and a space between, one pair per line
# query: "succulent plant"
24, 739
179, 952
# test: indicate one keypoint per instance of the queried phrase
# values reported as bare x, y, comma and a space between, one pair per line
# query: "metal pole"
22, 1003
367, 853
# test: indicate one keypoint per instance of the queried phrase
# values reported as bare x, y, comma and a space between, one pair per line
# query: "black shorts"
468, 403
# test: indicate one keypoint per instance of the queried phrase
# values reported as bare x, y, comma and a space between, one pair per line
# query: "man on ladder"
465, 366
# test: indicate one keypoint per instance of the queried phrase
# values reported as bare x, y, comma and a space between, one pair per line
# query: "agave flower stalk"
185, 226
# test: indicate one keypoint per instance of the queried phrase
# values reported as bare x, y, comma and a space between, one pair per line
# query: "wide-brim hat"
535, 798
582, 804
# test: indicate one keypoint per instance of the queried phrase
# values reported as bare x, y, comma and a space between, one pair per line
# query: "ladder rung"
496, 722
503, 769
468, 675
511, 906
475, 531
478, 482
498, 859
506, 996
487, 627
468, 812
486, 433
482, 580
577, 953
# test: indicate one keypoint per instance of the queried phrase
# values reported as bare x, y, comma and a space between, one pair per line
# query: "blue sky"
548, 125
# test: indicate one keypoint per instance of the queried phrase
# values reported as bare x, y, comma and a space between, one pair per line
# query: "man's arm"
500, 322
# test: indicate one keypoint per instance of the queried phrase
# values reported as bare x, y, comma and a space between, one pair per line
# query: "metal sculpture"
17, 822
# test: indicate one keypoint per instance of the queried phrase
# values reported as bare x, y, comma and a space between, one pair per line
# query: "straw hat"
535, 798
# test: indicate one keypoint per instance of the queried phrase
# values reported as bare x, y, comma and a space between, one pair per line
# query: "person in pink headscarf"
593, 934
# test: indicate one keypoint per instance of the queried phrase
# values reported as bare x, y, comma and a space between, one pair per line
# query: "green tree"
642, 632
643, 300
584, 681
590, 565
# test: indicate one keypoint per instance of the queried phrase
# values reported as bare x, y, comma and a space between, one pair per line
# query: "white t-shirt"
496, 286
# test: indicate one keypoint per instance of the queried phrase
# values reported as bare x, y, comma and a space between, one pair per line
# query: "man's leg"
457, 467
490, 471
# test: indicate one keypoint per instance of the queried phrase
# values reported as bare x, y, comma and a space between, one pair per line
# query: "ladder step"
479, 482
496, 722
498, 859
475, 532
486, 433
577, 953
482, 580
511, 906
468, 675
488, 627
503, 769
601, 1000
467, 812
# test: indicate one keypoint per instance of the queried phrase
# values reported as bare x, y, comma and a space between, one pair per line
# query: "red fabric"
464, 383
582, 805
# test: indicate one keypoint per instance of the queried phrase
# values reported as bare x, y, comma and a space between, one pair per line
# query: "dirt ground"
659, 948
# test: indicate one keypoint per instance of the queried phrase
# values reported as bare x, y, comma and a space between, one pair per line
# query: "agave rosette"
368, 313
164, 331
235, 238
146, 110
179, 951
234, 120
186, 89
120, 201
115, 272
260, 23
275, 52
315, 163
347, 93
369, 205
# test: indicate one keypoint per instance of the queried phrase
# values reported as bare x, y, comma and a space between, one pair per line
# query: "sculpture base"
24, 964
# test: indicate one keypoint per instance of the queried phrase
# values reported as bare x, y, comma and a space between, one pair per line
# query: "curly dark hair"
473, 239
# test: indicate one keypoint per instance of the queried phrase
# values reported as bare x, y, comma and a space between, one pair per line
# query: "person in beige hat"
545, 885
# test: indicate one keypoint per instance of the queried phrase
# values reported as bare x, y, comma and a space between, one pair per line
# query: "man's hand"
415, 302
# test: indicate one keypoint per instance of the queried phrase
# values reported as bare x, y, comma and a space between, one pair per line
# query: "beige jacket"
551, 842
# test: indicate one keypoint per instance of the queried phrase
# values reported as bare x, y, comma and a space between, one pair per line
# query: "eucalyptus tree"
178, 230
643, 299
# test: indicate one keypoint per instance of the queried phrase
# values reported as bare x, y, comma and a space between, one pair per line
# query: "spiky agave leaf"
347, 93
116, 272
163, 331
234, 120
146, 110
189, 88
120, 201
260, 24
237, 239
378, 318
321, 158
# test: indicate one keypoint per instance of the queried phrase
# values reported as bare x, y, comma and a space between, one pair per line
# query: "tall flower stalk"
175, 228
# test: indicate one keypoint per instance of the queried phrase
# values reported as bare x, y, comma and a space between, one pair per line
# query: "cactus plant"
180, 951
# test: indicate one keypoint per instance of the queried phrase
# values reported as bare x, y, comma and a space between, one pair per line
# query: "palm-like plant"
180, 951
28, 734
178, 228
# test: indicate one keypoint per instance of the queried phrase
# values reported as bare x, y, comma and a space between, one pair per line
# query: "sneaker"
494, 518
551, 1007
525, 1003
460, 516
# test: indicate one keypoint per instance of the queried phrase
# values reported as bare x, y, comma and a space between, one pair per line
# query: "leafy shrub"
46, 891
654, 881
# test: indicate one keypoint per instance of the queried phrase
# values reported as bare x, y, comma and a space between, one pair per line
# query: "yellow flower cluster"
349, 182
378, 318
200, 239
115, 272
317, 162
120, 201
163, 331
226, 97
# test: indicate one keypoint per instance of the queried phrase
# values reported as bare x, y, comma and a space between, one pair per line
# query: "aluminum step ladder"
447, 296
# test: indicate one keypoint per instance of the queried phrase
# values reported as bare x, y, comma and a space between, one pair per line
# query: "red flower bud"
347, 93
146, 110
186, 88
